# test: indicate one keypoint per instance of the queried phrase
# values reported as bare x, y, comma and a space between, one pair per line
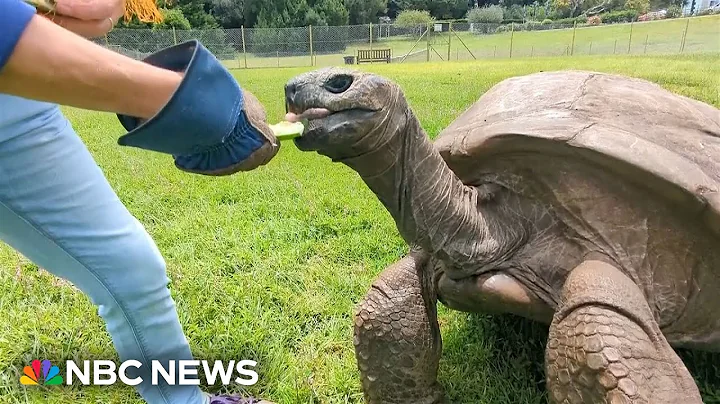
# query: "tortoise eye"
339, 83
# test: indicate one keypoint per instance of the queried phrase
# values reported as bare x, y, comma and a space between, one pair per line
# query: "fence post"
371, 36
242, 35
682, 44
427, 40
590, 51
572, 44
449, 38
630, 39
615, 47
174, 36
646, 41
512, 34
312, 58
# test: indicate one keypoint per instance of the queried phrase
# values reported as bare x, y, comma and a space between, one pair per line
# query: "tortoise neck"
431, 207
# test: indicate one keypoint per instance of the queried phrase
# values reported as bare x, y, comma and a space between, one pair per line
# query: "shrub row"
605, 18
619, 16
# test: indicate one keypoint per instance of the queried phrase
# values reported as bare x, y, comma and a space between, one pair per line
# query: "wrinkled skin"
510, 242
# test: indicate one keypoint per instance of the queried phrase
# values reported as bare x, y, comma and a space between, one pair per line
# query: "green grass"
652, 37
268, 265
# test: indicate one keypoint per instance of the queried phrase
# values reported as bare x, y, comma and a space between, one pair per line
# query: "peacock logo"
50, 374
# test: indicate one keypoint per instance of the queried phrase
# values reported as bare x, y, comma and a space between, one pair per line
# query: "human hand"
87, 18
210, 125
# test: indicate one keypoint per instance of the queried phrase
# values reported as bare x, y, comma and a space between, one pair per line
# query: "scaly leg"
604, 345
397, 337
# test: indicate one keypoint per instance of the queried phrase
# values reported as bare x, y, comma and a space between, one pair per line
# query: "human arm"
50, 63
202, 117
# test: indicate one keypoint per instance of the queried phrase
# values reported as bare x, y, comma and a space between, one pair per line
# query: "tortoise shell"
632, 128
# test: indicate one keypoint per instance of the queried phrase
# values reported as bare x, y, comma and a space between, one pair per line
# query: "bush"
528, 26
619, 16
594, 20
570, 21
651, 16
532, 26
412, 18
486, 15
547, 21
673, 12
707, 11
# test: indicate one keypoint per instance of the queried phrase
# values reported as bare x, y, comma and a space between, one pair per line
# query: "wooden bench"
373, 55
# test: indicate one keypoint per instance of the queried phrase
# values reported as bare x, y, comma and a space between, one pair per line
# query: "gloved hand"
210, 125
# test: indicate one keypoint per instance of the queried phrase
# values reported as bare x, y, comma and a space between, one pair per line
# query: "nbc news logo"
50, 374
104, 372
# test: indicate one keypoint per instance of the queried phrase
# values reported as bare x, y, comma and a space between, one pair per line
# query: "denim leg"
58, 210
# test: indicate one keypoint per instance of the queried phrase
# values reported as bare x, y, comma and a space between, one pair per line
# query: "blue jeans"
58, 210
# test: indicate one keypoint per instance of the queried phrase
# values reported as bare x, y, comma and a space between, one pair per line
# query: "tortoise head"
348, 111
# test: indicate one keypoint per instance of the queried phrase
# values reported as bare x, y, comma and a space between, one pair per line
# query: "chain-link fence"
439, 41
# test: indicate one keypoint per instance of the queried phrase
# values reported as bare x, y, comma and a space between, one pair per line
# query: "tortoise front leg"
397, 337
605, 346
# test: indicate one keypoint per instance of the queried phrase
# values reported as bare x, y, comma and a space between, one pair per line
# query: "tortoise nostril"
339, 83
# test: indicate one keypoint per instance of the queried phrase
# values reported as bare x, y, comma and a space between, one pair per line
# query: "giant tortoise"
582, 200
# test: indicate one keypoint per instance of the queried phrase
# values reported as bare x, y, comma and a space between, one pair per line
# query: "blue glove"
210, 125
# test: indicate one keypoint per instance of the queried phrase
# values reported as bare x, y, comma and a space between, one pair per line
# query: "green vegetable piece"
287, 130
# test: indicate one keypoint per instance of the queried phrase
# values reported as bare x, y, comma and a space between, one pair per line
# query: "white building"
701, 5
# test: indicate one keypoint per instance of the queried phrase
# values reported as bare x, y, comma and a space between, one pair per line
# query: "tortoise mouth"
326, 128
309, 114
294, 114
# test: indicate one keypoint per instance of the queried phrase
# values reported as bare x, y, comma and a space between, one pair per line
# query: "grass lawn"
268, 265
652, 37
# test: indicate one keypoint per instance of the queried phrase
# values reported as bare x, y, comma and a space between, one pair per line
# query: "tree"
416, 21
330, 12
641, 6
196, 14
448, 9
282, 13
393, 9
228, 13
440, 9
514, 12
365, 11
411, 18
565, 8
486, 15
293, 13
275, 13
172, 18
